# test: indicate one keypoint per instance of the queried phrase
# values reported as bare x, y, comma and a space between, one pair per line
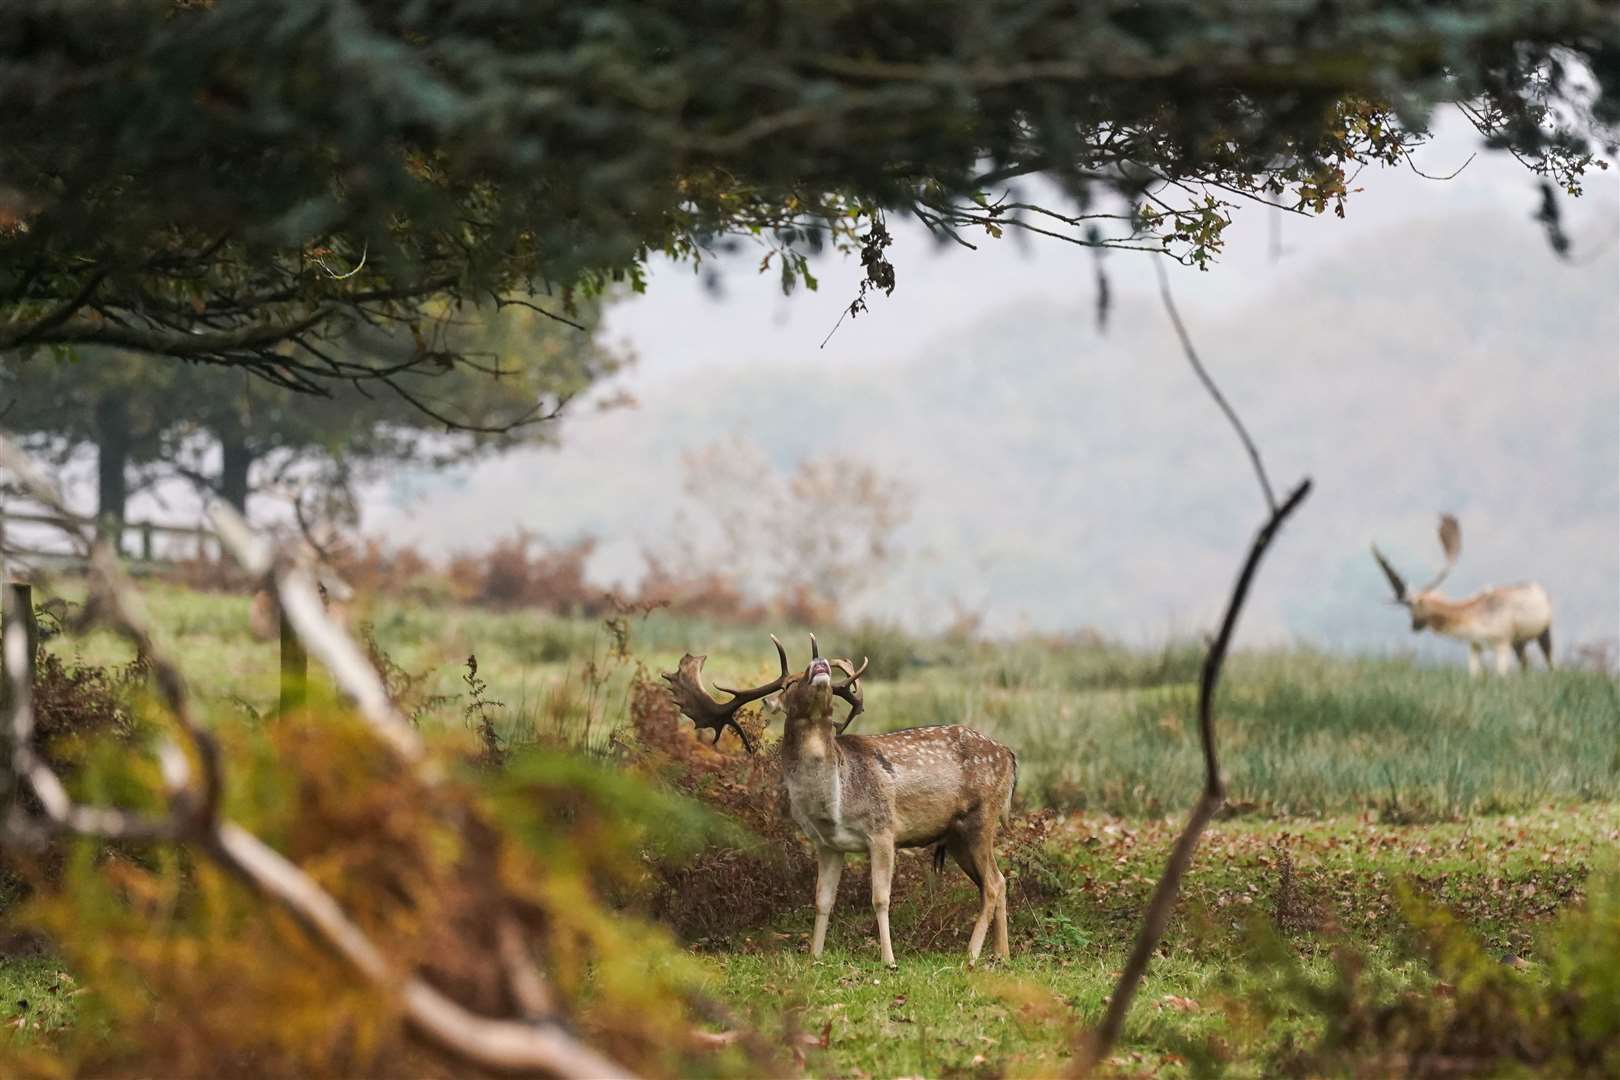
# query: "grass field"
1347, 776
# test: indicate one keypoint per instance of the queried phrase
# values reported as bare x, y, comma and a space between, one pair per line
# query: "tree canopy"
235, 435
245, 183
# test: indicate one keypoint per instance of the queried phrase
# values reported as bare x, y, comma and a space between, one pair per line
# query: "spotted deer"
948, 787
1502, 618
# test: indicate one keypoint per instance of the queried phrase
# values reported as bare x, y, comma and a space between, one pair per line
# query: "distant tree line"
146, 419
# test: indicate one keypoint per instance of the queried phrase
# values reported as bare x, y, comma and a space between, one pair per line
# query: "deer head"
807, 694
1421, 602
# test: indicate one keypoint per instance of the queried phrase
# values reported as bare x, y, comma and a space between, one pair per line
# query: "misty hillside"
1066, 477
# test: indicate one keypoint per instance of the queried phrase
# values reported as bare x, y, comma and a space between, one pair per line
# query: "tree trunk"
236, 458
112, 463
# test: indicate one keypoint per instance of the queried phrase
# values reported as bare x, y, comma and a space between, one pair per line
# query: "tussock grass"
1097, 726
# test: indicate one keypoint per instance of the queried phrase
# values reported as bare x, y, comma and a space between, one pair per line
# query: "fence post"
146, 541
294, 665
16, 603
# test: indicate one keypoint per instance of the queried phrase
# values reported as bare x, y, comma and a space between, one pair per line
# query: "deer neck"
812, 773
1442, 615
809, 741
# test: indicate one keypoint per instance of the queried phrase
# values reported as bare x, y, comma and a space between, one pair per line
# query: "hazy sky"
693, 332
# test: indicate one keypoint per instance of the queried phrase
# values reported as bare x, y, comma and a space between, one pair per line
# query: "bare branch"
523, 978
491, 1044
1214, 391
1163, 901
1452, 175
326, 641
1209, 803
504, 302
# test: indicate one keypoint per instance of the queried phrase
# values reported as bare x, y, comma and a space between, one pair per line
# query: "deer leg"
1502, 661
1544, 639
1003, 947
829, 868
1473, 659
978, 850
882, 855
992, 896
1521, 650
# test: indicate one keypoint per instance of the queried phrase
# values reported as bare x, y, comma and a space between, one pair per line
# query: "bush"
1468, 1012
191, 973
521, 571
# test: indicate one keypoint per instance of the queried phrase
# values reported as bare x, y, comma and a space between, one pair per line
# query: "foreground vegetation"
1368, 794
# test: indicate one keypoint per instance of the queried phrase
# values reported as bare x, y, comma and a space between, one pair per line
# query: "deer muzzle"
819, 672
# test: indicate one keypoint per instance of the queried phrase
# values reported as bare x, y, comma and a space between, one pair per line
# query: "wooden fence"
198, 541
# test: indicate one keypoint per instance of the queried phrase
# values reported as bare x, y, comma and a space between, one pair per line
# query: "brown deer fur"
944, 787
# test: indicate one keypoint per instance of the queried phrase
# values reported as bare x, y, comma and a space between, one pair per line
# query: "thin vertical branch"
1209, 384
1163, 901
1208, 805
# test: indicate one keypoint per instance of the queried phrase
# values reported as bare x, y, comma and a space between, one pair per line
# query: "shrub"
191, 973
1468, 1012
522, 571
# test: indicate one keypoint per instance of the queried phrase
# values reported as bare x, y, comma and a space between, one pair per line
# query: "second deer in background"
1501, 618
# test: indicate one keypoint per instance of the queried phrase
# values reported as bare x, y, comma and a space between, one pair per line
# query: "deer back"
914, 784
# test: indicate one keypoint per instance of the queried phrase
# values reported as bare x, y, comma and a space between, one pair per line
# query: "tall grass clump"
1329, 737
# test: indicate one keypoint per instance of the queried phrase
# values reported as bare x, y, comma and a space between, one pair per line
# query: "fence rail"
203, 546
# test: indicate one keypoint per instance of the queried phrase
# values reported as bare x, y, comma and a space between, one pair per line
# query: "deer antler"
1451, 544
699, 706
850, 690
1389, 572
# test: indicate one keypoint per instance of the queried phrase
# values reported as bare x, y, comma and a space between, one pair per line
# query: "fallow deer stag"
1503, 618
943, 787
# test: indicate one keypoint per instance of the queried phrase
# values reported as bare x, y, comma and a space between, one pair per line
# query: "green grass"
36, 998
935, 1016
1497, 798
1096, 726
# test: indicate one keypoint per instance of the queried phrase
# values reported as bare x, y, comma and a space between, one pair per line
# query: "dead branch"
326, 641
1209, 803
1096, 1047
523, 978
487, 1043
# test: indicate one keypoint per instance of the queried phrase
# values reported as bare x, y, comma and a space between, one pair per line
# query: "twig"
326, 641
1430, 176
1209, 803
1157, 916
1209, 384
